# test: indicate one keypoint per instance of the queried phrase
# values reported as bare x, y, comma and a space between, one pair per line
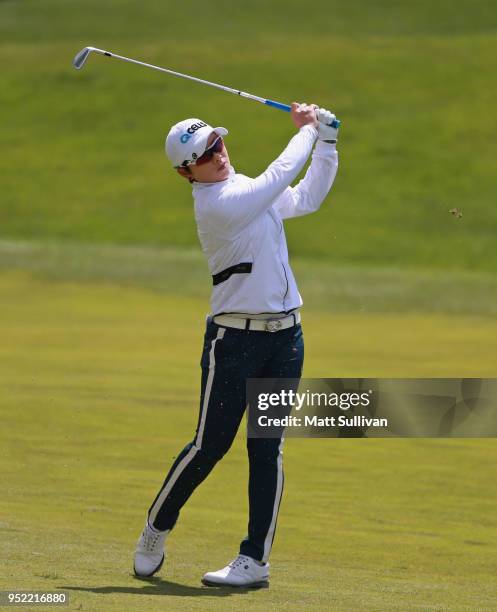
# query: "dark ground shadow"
157, 586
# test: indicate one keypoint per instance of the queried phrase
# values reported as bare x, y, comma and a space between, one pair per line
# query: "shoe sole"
263, 584
152, 573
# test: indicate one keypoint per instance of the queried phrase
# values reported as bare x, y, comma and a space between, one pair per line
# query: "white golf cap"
187, 140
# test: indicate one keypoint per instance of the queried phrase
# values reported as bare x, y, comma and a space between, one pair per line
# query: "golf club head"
80, 59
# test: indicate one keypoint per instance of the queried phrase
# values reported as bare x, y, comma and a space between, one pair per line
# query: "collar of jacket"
230, 178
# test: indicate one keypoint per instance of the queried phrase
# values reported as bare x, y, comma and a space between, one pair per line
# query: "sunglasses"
216, 147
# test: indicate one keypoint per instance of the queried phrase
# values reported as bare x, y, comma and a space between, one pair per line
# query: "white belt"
268, 325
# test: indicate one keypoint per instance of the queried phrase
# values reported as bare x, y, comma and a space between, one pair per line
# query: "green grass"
104, 293
325, 286
99, 383
413, 82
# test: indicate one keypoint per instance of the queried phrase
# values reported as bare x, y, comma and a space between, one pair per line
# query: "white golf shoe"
149, 554
241, 572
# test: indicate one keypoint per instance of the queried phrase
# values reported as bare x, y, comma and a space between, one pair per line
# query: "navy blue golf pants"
229, 357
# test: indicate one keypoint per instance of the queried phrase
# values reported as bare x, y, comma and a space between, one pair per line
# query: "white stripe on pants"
277, 499
197, 444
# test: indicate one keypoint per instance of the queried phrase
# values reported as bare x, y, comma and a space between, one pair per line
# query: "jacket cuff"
325, 147
311, 129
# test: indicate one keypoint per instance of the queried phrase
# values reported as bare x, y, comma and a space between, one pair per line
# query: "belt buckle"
273, 326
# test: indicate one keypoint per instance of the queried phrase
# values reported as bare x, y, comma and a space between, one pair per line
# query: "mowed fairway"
103, 294
99, 386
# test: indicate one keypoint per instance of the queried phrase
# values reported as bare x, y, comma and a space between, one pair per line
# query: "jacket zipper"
280, 223
286, 291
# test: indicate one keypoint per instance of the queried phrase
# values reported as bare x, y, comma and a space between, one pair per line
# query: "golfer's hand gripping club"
327, 128
335, 123
81, 57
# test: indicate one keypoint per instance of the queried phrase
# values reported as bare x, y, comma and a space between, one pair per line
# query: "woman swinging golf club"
254, 328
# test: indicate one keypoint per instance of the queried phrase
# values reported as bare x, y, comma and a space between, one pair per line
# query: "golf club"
82, 56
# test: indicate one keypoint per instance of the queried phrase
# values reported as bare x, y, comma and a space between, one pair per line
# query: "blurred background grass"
414, 84
103, 291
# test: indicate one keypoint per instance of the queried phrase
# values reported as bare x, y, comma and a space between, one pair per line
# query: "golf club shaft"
82, 55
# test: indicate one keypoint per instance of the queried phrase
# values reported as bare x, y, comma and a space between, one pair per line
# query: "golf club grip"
285, 107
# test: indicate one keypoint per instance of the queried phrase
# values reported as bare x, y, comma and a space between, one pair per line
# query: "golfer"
254, 328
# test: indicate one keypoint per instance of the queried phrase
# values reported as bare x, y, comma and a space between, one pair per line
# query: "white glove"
325, 131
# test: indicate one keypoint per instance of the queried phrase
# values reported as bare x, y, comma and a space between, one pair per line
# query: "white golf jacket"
240, 227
